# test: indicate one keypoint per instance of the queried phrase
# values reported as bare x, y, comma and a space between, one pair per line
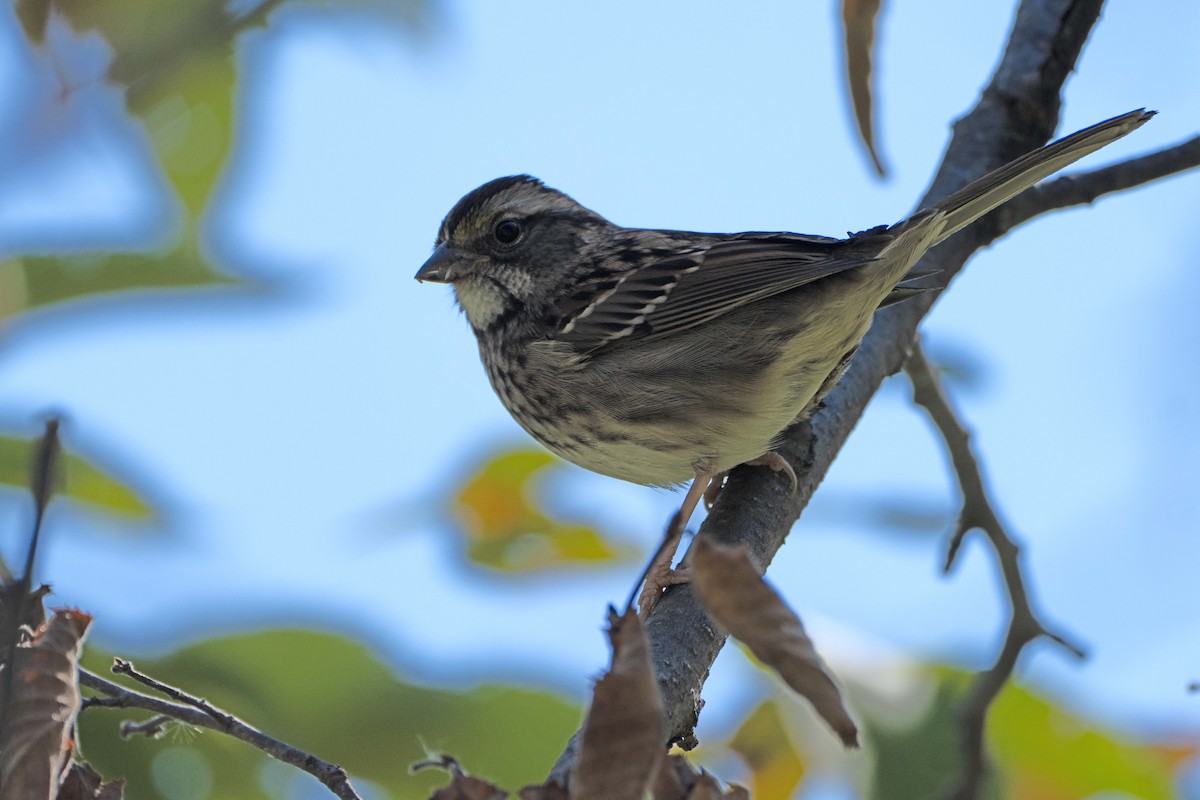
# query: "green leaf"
81, 481
1038, 750
33, 281
176, 63
920, 757
34, 14
1048, 753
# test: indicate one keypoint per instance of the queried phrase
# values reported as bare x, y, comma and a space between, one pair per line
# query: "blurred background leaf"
499, 511
859, 20
763, 742
1041, 750
81, 480
42, 280
175, 65
917, 757
1048, 753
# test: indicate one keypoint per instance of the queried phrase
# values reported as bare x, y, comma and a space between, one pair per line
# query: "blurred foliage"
498, 510
762, 741
81, 480
177, 65
1046, 753
1040, 751
332, 698
43, 280
919, 759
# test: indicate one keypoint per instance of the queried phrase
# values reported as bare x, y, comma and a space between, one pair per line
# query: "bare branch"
123, 667
1086, 187
117, 696
978, 513
150, 728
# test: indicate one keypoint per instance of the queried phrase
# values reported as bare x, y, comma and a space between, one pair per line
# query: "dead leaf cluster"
37, 716
623, 747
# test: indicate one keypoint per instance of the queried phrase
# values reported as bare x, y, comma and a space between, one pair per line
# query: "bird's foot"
769, 459
777, 463
658, 579
659, 575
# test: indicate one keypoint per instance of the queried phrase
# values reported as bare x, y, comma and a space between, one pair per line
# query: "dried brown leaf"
858, 18
674, 777
545, 791
82, 782
624, 734
678, 780
462, 786
740, 601
706, 787
468, 787
35, 733
33, 614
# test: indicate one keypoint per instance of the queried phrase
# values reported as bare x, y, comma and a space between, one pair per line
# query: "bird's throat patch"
482, 300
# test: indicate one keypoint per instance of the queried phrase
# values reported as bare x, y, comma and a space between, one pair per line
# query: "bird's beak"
446, 265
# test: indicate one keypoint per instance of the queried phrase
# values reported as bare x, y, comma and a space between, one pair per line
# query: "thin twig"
123, 667
42, 482
978, 513
150, 728
117, 696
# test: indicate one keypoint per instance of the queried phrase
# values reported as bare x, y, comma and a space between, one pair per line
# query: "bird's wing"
694, 286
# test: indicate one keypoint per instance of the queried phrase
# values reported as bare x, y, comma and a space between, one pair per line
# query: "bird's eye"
507, 231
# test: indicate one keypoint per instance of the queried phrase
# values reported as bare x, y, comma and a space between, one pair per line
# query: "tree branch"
122, 667
195, 711
1017, 111
978, 513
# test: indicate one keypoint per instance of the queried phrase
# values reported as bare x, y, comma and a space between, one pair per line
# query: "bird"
661, 356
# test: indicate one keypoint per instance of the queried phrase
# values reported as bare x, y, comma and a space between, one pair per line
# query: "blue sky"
299, 438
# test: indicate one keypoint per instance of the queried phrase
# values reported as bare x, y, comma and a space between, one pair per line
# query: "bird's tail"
980, 196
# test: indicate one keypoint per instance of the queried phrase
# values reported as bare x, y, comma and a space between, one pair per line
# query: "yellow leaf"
498, 512
764, 744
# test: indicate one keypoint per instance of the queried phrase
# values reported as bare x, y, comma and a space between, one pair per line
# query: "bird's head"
512, 246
